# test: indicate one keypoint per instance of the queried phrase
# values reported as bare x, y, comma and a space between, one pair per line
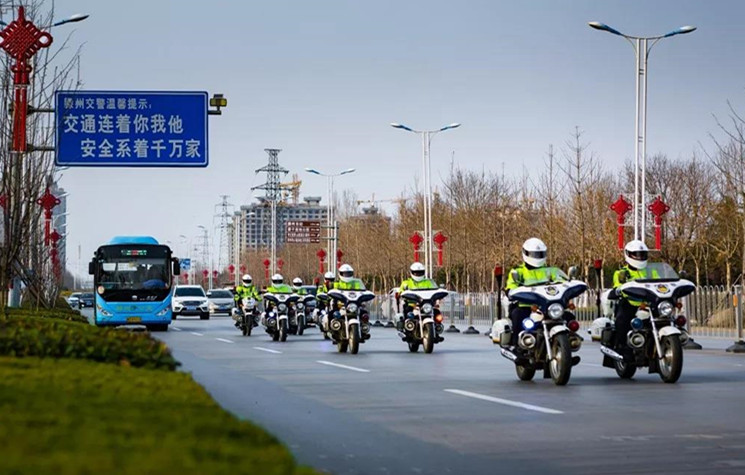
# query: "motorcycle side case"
501, 332
597, 327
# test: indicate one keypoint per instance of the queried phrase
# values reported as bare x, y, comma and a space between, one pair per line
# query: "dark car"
86, 300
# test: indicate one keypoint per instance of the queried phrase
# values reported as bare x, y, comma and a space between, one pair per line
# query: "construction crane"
374, 202
291, 189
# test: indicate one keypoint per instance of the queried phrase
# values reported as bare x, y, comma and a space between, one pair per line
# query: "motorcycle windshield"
658, 272
545, 276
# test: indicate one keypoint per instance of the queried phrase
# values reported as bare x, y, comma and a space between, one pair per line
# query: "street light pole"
426, 186
331, 225
642, 48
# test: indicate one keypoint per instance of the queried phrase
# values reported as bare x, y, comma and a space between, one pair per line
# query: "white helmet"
636, 254
534, 252
247, 279
277, 279
329, 276
297, 282
346, 273
417, 271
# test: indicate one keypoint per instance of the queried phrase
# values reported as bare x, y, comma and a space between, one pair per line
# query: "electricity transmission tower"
272, 188
223, 212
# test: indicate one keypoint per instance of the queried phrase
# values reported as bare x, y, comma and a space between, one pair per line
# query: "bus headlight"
427, 308
555, 311
162, 312
666, 308
352, 308
105, 312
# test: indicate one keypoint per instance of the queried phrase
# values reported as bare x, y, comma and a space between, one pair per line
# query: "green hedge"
70, 417
59, 313
23, 335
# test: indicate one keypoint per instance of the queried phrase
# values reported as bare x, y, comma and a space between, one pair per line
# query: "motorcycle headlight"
299, 306
666, 308
282, 307
528, 324
427, 308
352, 308
555, 311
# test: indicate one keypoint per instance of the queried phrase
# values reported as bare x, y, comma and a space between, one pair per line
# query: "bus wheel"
158, 328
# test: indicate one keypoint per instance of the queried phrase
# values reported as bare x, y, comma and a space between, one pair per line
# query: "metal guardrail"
712, 311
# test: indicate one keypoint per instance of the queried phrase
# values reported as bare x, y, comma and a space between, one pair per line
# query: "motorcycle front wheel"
354, 338
301, 325
283, 330
341, 346
429, 338
560, 366
671, 363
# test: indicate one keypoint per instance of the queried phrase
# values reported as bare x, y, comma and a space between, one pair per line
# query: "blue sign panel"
131, 129
185, 264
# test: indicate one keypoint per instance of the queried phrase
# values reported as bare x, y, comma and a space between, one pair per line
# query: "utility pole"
223, 212
273, 172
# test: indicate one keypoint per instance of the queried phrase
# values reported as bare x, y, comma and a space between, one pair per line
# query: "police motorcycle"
549, 335
351, 326
320, 315
276, 318
246, 316
423, 326
657, 332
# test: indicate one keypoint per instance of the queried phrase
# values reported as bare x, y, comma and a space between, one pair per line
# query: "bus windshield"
133, 272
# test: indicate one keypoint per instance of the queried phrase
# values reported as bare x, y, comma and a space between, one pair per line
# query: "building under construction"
252, 224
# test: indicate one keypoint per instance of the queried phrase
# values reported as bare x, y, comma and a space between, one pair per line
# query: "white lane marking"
276, 352
175, 329
224, 340
506, 402
196, 334
351, 368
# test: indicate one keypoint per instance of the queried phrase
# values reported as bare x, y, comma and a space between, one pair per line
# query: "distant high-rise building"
252, 223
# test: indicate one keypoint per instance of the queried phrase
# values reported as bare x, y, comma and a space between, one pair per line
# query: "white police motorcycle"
352, 326
276, 315
246, 316
548, 337
425, 328
657, 332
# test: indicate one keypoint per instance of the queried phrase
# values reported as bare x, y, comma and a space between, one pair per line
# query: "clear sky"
322, 80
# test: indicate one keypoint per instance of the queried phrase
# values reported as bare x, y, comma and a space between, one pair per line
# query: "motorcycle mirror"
683, 274
573, 272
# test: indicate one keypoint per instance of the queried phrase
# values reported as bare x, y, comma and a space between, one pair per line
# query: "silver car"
220, 301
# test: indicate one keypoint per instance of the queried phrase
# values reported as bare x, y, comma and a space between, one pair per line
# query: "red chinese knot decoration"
48, 201
439, 239
621, 208
416, 239
658, 208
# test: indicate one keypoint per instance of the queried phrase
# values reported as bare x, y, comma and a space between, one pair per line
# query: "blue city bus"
132, 281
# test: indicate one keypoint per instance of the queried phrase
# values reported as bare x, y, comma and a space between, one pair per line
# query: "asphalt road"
462, 409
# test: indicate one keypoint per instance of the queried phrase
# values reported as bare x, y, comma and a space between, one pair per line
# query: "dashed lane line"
224, 340
176, 329
276, 352
506, 402
196, 334
351, 368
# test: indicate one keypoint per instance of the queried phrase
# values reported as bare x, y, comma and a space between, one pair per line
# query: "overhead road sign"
131, 129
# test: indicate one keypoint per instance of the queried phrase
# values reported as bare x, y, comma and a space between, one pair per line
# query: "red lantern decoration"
621, 207
266, 263
439, 239
280, 263
47, 201
416, 239
658, 208
498, 272
339, 255
321, 258
231, 268
243, 269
